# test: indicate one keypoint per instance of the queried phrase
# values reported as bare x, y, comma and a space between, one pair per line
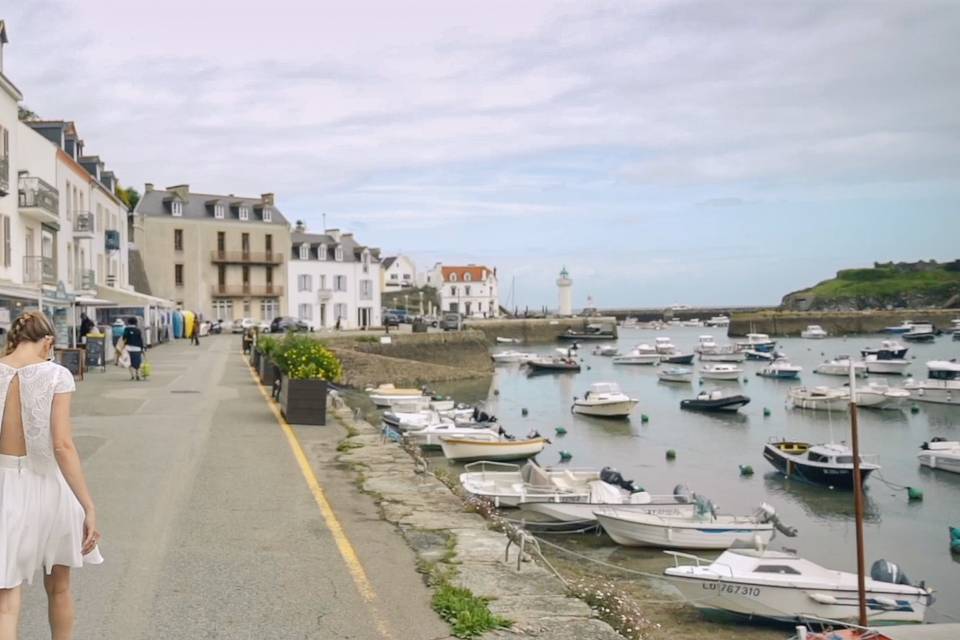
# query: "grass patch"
887, 282
347, 445
468, 615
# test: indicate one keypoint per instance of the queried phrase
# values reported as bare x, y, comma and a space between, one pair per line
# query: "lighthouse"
564, 285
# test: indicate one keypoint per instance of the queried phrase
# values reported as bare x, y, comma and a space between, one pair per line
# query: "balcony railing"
247, 290
39, 269
84, 223
246, 257
86, 280
324, 294
4, 175
36, 194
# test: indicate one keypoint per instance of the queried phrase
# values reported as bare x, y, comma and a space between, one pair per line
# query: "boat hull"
928, 391
680, 358
642, 360
666, 535
720, 375
667, 377
584, 511
895, 367
779, 375
940, 460
586, 336
619, 409
384, 401
828, 476
466, 450
723, 357
730, 404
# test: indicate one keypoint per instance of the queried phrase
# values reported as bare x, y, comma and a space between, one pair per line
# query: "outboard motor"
614, 477
704, 506
503, 434
886, 571
766, 513
682, 494
534, 434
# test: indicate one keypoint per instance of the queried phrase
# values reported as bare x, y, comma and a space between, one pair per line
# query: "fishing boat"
715, 401
888, 350
640, 354
504, 357
611, 490
904, 327
940, 453
591, 332
829, 464
704, 529
781, 586
501, 340
819, 398
757, 342
942, 385
881, 396
465, 449
840, 366
429, 437
387, 395
718, 321
675, 374
552, 363
813, 332
720, 372
886, 366
920, 332
607, 350
605, 400
781, 370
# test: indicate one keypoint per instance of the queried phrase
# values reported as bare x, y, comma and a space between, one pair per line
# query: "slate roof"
199, 206
386, 263
352, 250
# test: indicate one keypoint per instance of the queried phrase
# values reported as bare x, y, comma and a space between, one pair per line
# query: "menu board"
96, 351
72, 359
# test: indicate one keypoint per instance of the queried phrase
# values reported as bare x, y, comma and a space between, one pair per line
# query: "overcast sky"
704, 153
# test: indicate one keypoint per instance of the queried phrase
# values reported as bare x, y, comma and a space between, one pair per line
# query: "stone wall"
461, 349
533, 330
362, 370
791, 323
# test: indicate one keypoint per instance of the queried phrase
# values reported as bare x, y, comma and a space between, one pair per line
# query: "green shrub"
268, 345
467, 614
303, 358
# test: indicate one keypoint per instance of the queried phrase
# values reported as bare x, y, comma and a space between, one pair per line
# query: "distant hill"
909, 285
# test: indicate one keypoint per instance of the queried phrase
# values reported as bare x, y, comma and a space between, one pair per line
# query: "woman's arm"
69, 461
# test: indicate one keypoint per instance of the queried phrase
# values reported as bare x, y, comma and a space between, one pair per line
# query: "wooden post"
857, 497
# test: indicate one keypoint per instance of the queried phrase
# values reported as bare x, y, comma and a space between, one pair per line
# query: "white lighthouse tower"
565, 286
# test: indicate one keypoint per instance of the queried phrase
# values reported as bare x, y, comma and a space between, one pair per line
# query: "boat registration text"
731, 588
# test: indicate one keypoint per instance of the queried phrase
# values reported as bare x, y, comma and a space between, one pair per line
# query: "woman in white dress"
47, 518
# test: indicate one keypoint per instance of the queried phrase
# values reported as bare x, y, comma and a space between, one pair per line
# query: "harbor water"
711, 447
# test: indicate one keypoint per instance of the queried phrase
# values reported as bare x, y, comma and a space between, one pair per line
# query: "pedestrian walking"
47, 518
133, 345
195, 336
86, 326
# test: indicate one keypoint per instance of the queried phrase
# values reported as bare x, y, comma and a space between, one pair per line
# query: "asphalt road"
210, 529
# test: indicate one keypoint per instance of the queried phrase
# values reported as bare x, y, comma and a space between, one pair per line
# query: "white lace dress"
41, 520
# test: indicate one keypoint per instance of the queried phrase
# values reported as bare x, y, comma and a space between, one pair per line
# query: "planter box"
303, 401
268, 371
255, 355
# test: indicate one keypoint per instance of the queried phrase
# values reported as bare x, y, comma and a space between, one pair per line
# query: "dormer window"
453, 277
322, 252
467, 277
176, 208
338, 254
365, 261
304, 252
219, 211
267, 214
244, 213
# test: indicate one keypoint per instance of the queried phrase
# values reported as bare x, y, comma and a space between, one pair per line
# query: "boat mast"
857, 496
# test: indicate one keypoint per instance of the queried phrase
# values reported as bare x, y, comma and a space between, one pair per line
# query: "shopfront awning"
124, 297
88, 301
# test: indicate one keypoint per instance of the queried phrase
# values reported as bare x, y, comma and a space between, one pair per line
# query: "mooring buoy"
671, 454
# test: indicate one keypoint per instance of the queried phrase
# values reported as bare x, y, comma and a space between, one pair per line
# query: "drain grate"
183, 391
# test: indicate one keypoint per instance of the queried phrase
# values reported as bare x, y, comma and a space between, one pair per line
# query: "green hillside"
886, 285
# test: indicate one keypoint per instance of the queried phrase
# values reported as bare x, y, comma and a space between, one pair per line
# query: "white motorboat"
889, 366
721, 354
629, 322
501, 340
813, 332
954, 326
602, 493
429, 436
605, 400
503, 357
663, 344
920, 332
840, 366
387, 395
692, 322
607, 350
640, 354
757, 342
781, 586
819, 398
830, 464
880, 396
702, 530
904, 327
888, 350
670, 354
781, 370
675, 374
705, 342
466, 449
552, 363
940, 453
718, 321
942, 385
507, 485
404, 416
720, 372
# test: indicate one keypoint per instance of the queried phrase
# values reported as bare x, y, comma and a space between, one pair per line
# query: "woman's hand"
91, 535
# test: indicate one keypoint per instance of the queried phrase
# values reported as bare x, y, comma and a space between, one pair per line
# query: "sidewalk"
210, 530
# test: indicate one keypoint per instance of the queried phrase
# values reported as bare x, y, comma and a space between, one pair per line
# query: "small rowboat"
466, 449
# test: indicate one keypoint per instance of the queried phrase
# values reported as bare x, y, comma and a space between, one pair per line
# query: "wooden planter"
268, 371
303, 401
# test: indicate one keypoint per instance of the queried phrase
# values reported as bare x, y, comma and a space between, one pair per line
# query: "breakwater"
534, 330
661, 313
837, 323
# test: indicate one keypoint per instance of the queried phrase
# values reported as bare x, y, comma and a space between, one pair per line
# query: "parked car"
391, 319
282, 324
264, 326
451, 321
429, 320
241, 325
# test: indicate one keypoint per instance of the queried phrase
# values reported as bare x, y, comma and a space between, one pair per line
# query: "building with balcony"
397, 272
334, 280
222, 256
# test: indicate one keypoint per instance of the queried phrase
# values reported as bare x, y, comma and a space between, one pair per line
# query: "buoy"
914, 494
914, 408
671, 454
746, 380
561, 431
565, 455
766, 412
746, 470
523, 411
701, 382
644, 417
496, 392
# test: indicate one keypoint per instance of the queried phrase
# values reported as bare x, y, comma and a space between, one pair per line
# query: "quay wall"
665, 313
533, 330
362, 370
791, 323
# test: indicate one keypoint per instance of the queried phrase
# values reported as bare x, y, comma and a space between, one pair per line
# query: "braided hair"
32, 326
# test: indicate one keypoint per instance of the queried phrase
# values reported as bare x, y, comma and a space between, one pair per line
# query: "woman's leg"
59, 602
9, 613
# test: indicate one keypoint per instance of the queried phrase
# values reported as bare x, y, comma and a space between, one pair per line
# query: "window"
775, 568
5, 154
453, 291
340, 311
176, 208
393, 276
453, 277
338, 254
178, 275
219, 211
222, 275
268, 244
323, 282
244, 213
366, 289
365, 261
269, 276
221, 242
269, 308
178, 239
467, 277
267, 214
305, 311
304, 251
7, 254
304, 282
245, 243
246, 308
466, 289
339, 283
223, 309
322, 252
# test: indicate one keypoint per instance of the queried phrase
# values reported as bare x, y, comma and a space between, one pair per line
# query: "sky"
705, 153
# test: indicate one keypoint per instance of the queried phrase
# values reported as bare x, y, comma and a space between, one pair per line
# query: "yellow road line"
347, 552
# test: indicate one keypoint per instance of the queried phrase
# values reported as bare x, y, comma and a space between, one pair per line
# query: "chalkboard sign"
96, 351
72, 359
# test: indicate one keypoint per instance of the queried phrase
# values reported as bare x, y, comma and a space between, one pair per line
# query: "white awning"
124, 297
88, 301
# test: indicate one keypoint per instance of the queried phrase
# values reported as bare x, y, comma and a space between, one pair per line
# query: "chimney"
267, 199
182, 190
147, 187
300, 227
333, 233
3, 41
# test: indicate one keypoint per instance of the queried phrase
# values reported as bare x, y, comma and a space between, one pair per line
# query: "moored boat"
718, 321
940, 453
886, 366
880, 396
552, 363
675, 374
828, 464
942, 385
612, 490
904, 327
465, 449
720, 371
591, 332
429, 437
605, 400
640, 354
387, 395
507, 485
502, 357
605, 350
502, 340
715, 401
757, 342
920, 332
819, 398
813, 332
840, 366
888, 350
781, 370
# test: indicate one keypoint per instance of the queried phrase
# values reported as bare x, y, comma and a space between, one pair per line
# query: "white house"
471, 290
397, 272
333, 278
